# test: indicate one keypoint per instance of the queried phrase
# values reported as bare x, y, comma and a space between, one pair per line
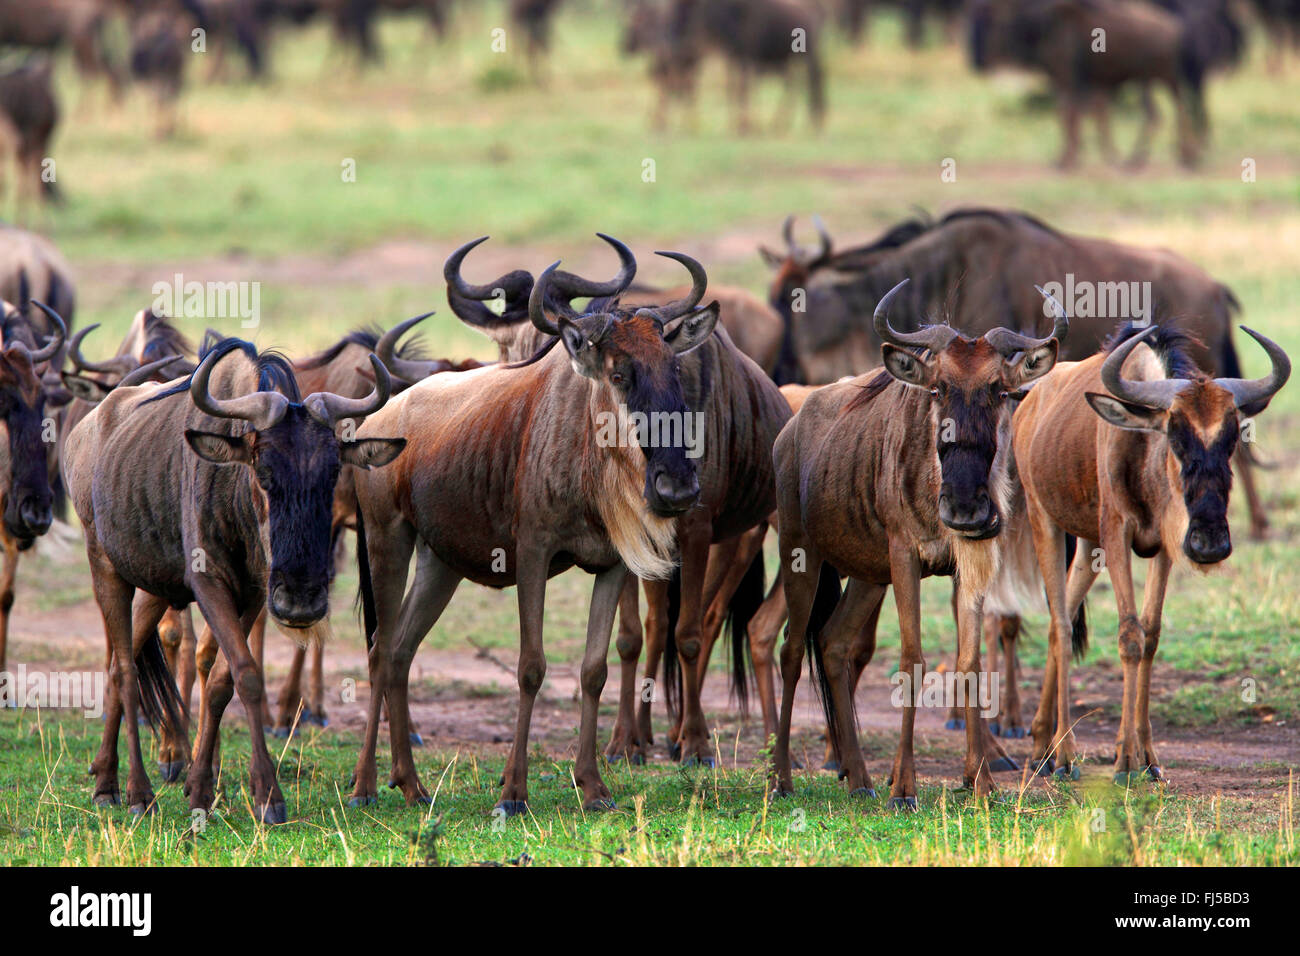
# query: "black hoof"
1002, 764
272, 814
600, 805
902, 803
425, 799
867, 792
1013, 733
675, 751
1130, 778
416, 739
779, 793
699, 761
282, 733
1156, 774
362, 801
107, 800
1045, 767
142, 809
513, 808
796, 764
955, 725
831, 764
1067, 773
995, 728
322, 721
171, 772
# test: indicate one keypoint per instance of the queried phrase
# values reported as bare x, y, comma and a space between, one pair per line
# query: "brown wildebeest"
718, 586
1141, 44
890, 478
756, 37
517, 473
854, 16
240, 523
26, 502
32, 265
973, 265
29, 113
1147, 474
53, 24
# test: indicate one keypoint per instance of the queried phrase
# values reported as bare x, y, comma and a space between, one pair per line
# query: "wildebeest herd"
943, 400
1090, 51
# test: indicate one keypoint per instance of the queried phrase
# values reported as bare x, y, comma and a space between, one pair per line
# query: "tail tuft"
672, 663
160, 699
744, 605
824, 604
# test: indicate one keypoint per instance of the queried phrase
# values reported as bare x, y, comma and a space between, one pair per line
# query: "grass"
664, 817
450, 142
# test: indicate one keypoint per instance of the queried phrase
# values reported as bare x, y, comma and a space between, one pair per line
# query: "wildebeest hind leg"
600, 621
626, 742
860, 604
800, 591
531, 590
693, 535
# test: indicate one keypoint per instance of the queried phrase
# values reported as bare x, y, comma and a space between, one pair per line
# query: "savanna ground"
451, 142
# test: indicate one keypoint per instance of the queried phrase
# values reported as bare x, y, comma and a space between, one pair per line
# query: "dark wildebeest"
854, 16
973, 265
756, 37
720, 585
1147, 474
1280, 20
889, 478
675, 56
517, 473
160, 48
238, 520
31, 265
26, 501
1091, 48
54, 24
29, 113
533, 18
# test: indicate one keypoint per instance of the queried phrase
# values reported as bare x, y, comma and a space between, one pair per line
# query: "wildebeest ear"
773, 259
581, 349
221, 449
908, 368
86, 389
694, 330
1032, 364
1126, 414
371, 452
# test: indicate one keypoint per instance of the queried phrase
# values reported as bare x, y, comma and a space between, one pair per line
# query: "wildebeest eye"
616, 378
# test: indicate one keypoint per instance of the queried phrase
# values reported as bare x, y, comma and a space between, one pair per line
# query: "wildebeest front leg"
905, 575
291, 695
257, 647
230, 631
1150, 120
1116, 541
694, 532
763, 631
7, 591
214, 694
800, 592
1003, 631
626, 742
969, 615
860, 604
531, 584
1153, 602
600, 621
656, 638
1068, 100
432, 588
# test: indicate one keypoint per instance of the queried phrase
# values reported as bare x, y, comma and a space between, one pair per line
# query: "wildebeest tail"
744, 605
816, 88
1079, 624
672, 663
366, 590
824, 603
160, 699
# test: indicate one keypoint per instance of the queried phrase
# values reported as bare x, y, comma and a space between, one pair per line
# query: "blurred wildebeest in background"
1281, 23
854, 16
1142, 44
674, 56
29, 113
972, 267
54, 24
756, 37
160, 47
533, 18
32, 267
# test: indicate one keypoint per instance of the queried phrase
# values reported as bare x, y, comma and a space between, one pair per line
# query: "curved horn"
1157, 394
451, 272
409, 370
329, 409
823, 236
120, 364
1009, 343
787, 233
260, 409
1247, 391
143, 373
699, 285
575, 286
932, 337
55, 341
537, 300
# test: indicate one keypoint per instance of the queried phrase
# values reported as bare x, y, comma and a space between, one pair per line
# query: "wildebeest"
26, 502
889, 478
516, 473
1144, 471
216, 489
533, 18
1090, 48
855, 14
756, 37
675, 56
720, 581
55, 24
1281, 22
31, 266
972, 266
160, 48
29, 113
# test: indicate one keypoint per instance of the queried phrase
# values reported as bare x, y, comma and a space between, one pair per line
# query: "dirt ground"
465, 700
